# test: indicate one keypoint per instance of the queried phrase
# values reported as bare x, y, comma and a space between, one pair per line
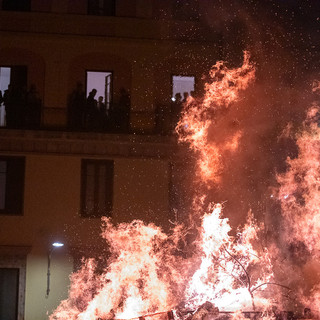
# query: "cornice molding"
86, 144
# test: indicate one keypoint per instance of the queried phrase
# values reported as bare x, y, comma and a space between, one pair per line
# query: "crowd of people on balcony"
22, 107
89, 113
169, 115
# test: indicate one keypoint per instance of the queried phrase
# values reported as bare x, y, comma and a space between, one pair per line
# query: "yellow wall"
52, 200
141, 191
38, 306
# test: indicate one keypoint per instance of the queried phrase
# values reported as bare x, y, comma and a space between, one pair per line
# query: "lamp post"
54, 246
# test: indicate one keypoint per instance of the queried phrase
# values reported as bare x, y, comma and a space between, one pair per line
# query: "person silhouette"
33, 108
176, 108
8, 100
185, 97
91, 110
77, 108
122, 112
102, 110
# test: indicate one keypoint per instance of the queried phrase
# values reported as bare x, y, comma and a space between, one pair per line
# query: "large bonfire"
149, 273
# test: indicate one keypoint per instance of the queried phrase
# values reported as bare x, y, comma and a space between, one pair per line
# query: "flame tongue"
300, 203
134, 283
223, 277
299, 191
198, 117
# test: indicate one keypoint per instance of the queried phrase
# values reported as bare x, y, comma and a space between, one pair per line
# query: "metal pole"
48, 274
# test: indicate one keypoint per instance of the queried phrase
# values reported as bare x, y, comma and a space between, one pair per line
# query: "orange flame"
300, 185
300, 202
149, 272
222, 277
146, 275
198, 117
136, 281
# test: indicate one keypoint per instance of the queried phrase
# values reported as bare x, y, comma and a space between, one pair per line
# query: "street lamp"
54, 246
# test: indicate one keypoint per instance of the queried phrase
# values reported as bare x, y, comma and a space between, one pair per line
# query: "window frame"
109, 186
14, 182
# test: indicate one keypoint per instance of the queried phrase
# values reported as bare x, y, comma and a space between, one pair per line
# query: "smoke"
281, 37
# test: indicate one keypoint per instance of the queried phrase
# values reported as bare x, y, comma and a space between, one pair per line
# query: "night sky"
276, 25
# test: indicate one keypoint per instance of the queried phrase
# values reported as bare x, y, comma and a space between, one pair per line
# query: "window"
182, 85
101, 7
16, 5
11, 185
96, 188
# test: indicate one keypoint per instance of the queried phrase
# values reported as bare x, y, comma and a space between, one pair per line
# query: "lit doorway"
182, 84
102, 82
5, 75
15, 76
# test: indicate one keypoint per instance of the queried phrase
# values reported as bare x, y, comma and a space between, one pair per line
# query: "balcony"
86, 143
161, 121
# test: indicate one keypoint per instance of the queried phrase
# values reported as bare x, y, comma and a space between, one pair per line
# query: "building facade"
65, 163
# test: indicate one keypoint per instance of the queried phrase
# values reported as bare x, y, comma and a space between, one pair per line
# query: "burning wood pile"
208, 311
223, 276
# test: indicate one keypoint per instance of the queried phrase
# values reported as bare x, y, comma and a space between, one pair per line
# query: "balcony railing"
161, 121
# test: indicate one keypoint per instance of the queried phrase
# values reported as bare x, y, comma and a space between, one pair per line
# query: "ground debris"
204, 310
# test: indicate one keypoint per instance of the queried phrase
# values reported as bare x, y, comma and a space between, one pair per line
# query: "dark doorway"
9, 288
182, 85
102, 82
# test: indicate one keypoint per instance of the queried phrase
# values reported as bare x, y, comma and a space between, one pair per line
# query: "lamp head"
57, 244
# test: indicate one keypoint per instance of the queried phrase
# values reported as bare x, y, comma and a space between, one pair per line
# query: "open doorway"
183, 85
16, 76
102, 82
5, 75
